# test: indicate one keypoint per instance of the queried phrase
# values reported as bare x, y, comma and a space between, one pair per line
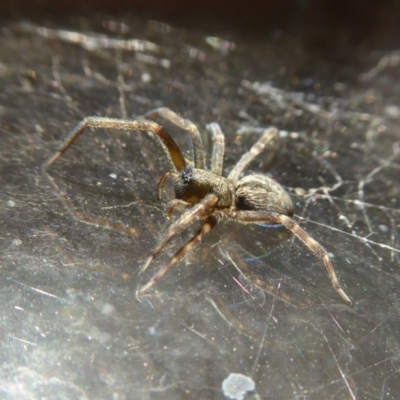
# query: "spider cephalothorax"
205, 193
193, 184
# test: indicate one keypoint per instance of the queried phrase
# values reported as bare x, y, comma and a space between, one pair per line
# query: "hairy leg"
289, 223
176, 203
217, 153
170, 148
198, 149
256, 149
186, 249
201, 210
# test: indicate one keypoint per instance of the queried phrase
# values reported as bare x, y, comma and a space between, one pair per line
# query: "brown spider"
206, 194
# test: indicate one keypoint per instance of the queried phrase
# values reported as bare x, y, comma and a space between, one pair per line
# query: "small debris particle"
235, 386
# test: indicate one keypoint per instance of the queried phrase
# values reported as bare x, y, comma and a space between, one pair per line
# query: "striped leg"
256, 149
168, 145
187, 248
217, 153
317, 249
172, 116
199, 211
313, 245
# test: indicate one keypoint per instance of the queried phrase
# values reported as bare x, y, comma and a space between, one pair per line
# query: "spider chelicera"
206, 194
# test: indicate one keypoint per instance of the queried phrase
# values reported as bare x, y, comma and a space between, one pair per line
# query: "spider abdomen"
261, 193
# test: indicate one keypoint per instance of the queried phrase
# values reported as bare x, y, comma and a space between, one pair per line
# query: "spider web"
250, 300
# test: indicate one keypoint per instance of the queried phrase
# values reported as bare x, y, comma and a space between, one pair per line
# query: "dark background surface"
250, 299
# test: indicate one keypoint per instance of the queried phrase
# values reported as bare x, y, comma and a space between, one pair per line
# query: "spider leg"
218, 148
268, 135
189, 126
313, 245
317, 249
168, 145
209, 223
199, 211
174, 204
217, 156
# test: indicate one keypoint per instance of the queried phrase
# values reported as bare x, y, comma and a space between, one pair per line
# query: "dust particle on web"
235, 386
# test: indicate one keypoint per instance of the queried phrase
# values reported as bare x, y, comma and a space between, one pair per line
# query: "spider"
204, 193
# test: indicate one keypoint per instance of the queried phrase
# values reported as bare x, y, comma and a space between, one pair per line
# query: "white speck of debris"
152, 331
108, 309
11, 203
383, 228
392, 111
146, 77
113, 176
294, 135
235, 386
283, 134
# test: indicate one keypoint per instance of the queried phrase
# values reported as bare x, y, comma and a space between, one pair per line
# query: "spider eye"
187, 176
